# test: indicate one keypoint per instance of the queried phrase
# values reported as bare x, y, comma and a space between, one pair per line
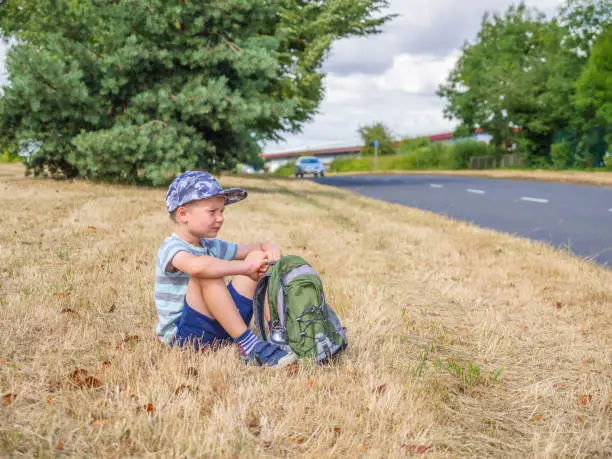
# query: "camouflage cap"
194, 185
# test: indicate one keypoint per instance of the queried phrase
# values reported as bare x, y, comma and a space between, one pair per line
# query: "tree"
501, 82
377, 131
584, 21
141, 90
595, 84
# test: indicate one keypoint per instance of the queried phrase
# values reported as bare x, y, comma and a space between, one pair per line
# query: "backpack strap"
259, 301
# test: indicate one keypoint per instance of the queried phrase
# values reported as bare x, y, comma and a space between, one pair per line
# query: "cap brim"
234, 195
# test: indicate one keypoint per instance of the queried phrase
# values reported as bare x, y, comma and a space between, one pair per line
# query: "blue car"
309, 165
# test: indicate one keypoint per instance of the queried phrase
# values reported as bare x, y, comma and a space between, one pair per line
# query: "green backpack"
300, 316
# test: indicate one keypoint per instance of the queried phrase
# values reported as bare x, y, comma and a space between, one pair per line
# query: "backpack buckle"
278, 335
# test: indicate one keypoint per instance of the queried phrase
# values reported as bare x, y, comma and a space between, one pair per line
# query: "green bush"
286, 171
560, 155
419, 155
464, 150
407, 146
6, 157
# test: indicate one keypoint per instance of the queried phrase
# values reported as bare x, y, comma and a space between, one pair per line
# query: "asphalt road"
570, 216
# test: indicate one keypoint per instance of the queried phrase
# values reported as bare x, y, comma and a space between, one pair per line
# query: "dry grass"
434, 310
593, 178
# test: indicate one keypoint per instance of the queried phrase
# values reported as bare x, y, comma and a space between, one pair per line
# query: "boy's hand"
273, 251
256, 264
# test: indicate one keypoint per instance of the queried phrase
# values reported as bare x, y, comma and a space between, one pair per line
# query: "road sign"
376, 143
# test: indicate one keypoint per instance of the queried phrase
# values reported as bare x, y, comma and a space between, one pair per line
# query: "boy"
193, 303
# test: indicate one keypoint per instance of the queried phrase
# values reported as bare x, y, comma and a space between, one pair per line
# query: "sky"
391, 77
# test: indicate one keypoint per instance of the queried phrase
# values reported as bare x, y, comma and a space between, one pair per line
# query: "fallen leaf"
557, 304
7, 399
91, 228
182, 388
537, 418
581, 330
78, 373
298, 440
90, 381
310, 383
50, 399
253, 425
112, 308
80, 379
149, 408
336, 430
132, 339
579, 419
363, 447
60, 444
70, 311
349, 370
416, 449
588, 362
62, 295
292, 369
381, 389
100, 422
252, 422
2, 362
584, 399
435, 314
559, 386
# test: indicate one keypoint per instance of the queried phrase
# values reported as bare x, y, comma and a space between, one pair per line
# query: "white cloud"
419, 74
403, 97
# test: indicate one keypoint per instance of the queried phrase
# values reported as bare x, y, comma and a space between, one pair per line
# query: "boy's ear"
181, 213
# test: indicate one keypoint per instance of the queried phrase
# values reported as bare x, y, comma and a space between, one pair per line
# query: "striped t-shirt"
171, 287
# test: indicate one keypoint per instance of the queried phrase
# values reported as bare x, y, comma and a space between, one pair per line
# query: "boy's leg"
220, 305
246, 287
212, 298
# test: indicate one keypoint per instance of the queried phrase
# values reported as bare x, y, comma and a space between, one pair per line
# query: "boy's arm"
206, 267
272, 251
244, 249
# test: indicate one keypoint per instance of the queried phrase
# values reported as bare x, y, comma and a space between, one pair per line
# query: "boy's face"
203, 218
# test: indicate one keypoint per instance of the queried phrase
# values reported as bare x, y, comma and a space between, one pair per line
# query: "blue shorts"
197, 329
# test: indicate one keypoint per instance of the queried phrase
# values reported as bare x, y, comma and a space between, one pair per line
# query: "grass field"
463, 342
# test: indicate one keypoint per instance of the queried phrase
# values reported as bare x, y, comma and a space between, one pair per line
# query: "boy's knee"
255, 254
199, 283
200, 280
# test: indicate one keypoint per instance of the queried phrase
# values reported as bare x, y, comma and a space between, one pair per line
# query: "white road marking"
471, 190
540, 200
435, 185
